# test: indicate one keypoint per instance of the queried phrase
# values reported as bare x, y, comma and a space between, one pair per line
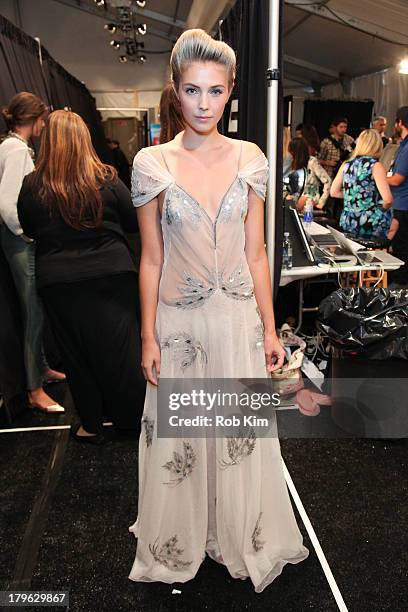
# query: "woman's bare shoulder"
250, 151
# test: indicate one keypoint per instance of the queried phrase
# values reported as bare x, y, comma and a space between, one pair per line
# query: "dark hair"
171, 117
300, 153
311, 136
24, 108
337, 120
299, 127
402, 115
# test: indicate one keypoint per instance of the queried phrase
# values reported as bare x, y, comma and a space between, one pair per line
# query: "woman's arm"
383, 187
151, 264
15, 168
336, 189
325, 179
259, 268
125, 208
26, 211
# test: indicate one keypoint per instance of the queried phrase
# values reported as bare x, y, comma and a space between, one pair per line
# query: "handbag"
288, 379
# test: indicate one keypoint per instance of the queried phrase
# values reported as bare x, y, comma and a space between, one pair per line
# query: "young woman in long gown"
206, 304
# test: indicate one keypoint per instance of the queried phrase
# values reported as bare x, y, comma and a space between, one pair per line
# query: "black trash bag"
367, 322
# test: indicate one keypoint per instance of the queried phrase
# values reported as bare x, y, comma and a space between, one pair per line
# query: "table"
305, 272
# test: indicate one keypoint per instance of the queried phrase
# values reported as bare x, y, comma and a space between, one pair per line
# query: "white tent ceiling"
73, 32
323, 41
331, 39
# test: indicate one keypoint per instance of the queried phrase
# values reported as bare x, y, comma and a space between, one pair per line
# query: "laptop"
363, 256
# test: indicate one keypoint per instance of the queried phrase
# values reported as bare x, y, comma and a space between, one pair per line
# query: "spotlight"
142, 29
115, 44
110, 27
123, 59
99, 2
142, 59
141, 3
403, 67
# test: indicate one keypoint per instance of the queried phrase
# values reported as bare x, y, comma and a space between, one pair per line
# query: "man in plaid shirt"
335, 149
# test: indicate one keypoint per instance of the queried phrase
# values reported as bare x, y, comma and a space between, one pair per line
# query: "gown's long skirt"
196, 495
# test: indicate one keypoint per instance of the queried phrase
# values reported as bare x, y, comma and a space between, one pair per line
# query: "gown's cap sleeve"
255, 173
149, 178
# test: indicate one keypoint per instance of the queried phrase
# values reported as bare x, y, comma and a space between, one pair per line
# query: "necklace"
12, 134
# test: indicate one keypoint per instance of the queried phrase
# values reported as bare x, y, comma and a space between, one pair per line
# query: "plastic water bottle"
287, 261
308, 214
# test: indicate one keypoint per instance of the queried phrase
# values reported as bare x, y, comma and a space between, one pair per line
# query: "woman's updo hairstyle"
24, 108
198, 46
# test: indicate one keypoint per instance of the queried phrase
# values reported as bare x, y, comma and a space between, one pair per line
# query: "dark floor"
66, 510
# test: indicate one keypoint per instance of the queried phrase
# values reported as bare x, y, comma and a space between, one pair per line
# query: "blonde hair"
69, 173
198, 46
286, 140
368, 143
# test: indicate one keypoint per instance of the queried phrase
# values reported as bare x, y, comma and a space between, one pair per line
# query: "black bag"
367, 322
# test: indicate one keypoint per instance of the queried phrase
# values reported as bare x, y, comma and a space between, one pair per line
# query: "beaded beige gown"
199, 495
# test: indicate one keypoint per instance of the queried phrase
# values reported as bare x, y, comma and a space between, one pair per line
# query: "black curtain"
67, 92
245, 29
21, 70
320, 113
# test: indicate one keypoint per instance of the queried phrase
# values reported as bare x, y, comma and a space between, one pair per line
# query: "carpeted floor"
66, 509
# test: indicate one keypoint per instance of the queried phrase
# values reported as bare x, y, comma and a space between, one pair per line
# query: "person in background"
399, 187
78, 211
334, 150
316, 175
362, 182
24, 117
388, 155
379, 123
337, 147
299, 151
171, 118
298, 130
287, 157
120, 161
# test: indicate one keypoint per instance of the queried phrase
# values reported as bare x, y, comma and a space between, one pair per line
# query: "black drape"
320, 113
21, 70
245, 29
67, 92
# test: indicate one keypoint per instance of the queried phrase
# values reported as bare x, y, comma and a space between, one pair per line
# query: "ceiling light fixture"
142, 29
110, 27
141, 3
142, 58
115, 44
123, 59
403, 66
99, 2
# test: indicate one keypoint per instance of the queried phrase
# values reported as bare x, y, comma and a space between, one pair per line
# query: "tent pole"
272, 129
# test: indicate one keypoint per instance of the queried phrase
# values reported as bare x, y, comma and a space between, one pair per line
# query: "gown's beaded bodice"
201, 255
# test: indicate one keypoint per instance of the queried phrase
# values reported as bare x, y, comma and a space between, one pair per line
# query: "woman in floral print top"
362, 183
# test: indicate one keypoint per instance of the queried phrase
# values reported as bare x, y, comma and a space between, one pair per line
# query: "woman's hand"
151, 359
274, 352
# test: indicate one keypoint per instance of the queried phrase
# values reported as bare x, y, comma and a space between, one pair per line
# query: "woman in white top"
206, 313
24, 117
317, 179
